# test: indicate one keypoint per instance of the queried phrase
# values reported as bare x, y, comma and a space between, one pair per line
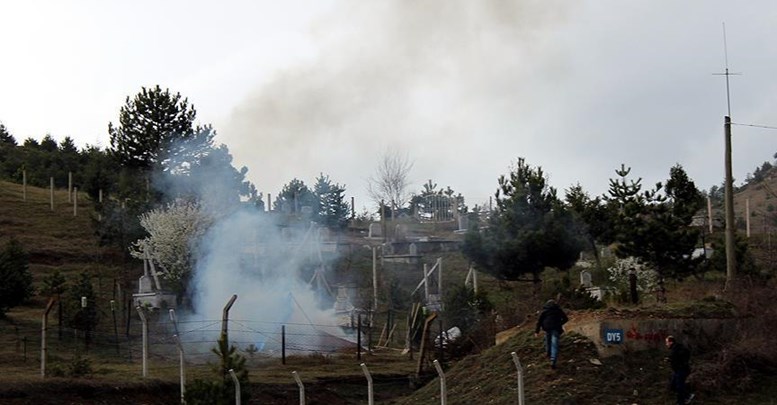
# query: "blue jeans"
551, 345
677, 384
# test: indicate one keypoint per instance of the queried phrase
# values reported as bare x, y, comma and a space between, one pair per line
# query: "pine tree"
222, 390
530, 230
332, 210
15, 277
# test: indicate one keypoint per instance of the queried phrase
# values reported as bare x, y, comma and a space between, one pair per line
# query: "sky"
299, 88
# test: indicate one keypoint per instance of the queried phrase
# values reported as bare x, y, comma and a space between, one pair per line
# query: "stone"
376, 231
585, 279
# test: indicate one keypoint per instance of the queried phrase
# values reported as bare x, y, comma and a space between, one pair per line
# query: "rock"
595, 362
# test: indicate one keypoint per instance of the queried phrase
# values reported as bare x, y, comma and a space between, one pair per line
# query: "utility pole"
731, 263
731, 271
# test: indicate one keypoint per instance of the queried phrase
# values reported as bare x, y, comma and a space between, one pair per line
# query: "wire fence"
198, 338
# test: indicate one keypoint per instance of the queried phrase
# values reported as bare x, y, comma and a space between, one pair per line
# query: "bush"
739, 363
79, 367
464, 308
570, 297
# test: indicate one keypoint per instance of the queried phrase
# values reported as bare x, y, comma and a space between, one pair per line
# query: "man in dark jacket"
551, 320
679, 361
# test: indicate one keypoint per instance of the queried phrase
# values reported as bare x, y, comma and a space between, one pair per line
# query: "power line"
754, 125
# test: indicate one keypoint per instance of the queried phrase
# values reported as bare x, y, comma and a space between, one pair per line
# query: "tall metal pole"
731, 270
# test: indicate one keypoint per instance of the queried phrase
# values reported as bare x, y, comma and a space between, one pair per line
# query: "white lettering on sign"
613, 336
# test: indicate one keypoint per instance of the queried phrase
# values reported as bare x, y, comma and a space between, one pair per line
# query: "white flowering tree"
173, 233
647, 277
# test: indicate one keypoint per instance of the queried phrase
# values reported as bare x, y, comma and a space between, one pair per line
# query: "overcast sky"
295, 88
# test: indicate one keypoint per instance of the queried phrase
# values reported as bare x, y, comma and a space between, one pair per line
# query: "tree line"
533, 228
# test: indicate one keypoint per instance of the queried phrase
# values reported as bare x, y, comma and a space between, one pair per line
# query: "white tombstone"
463, 223
400, 232
375, 230
585, 279
413, 250
144, 285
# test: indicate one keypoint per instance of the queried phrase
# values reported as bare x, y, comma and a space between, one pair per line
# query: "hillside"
58, 240
761, 197
583, 377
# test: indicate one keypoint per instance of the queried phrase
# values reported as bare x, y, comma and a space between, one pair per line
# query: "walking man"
551, 321
679, 360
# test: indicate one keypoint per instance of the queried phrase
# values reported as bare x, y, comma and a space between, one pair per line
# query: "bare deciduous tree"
390, 181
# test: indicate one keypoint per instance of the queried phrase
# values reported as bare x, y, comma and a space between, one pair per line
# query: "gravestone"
585, 279
400, 232
413, 249
463, 223
375, 230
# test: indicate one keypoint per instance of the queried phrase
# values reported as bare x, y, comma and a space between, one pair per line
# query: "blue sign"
613, 336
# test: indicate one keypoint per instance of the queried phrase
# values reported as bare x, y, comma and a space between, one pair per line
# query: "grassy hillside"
58, 240
581, 378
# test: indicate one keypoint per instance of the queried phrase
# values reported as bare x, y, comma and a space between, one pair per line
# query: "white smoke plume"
248, 254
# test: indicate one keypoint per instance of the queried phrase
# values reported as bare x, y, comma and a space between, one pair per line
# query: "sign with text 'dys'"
613, 336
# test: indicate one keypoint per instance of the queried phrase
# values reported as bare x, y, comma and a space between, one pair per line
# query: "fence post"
443, 389
301, 388
180, 355
225, 319
51, 192
75, 201
43, 348
237, 386
24, 185
359, 337
115, 326
283, 344
520, 377
370, 392
144, 322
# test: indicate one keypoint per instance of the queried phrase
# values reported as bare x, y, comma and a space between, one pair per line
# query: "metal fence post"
301, 388
43, 348
144, 323
180, 356
520, 377
370, 392
237, 386
443, 389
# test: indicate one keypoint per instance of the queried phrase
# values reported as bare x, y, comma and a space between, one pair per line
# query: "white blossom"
174, 232
647, 277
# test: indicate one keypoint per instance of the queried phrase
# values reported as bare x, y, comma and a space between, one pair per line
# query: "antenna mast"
729, 183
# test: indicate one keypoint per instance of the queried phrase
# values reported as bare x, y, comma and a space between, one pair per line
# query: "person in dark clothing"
551, 320
679, 361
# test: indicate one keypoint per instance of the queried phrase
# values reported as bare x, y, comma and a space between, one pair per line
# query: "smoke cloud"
432, 78
247, 253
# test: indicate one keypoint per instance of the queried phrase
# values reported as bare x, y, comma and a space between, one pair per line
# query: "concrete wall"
619, 336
